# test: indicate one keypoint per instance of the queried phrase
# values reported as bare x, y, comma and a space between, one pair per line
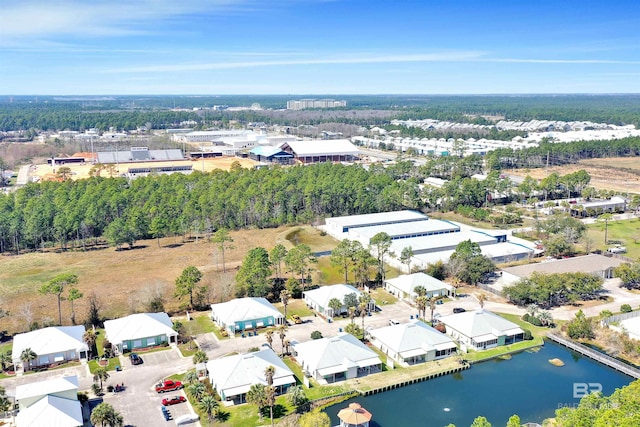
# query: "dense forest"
129, 112
71, 212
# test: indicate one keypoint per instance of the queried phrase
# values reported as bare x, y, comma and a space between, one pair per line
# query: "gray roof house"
404, 286
412, 343
338, 358
481, 329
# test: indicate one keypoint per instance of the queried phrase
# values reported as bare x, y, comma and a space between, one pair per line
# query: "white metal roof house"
243, 314
233, 376
140, 330
481, 329
338, 358
49, 403
411, 343
318, 299
54, 344
404, 286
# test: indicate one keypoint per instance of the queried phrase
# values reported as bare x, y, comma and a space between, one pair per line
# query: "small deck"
596, 355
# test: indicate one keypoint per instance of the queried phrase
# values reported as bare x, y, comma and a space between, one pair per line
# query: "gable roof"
136, 326
336, 354
322, 147
268, 151
43, 388
408, 282
51, 411
54, 339
592, 263
407, 337
324, 294
236, 374
478, 323
244, 309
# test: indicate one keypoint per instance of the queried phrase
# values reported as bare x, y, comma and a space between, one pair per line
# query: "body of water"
527, 385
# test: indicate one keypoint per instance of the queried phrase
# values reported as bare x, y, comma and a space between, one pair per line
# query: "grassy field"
627, 232
295, 306
382, 297
122, 280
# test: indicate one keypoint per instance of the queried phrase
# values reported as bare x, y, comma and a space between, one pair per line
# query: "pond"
527, 385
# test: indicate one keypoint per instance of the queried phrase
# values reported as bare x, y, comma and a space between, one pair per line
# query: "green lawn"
113, 362
200, 323
186, 351
382, 297
6, 347
627, 232
295, 306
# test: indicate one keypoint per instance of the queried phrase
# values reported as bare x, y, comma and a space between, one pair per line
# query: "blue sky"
66, 47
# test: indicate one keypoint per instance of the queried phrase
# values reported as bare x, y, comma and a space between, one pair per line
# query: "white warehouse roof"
322, 147
375, 219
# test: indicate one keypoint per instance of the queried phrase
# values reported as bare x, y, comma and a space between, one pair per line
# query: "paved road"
23, 175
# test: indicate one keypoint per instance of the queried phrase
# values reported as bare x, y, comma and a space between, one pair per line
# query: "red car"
168, 385
173, 400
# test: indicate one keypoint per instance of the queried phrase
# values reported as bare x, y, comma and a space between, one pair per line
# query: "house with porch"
246, 314
481, 330
336, 359
52, 402
141, 330
55, 344
404, 286
318, 299
233, 376
412, 343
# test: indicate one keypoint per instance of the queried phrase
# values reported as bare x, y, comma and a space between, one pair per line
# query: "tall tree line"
75, 212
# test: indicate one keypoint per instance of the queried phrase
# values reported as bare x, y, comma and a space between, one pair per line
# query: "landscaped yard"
382, 297
295, 306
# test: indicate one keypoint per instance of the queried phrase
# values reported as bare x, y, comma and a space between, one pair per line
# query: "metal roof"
592, 263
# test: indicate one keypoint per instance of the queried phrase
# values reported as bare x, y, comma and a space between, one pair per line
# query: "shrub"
527, 335
526, 317
316, 335
626, 308
534, 321
253, 349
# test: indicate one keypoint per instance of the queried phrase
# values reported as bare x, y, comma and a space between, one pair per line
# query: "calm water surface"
527, 385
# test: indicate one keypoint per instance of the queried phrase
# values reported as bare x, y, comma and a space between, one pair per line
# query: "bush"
534, 321
527, 335
526, 317
316, 335
626, 308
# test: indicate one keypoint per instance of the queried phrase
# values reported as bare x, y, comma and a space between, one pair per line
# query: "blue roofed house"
270, 154
140, 330
245, 314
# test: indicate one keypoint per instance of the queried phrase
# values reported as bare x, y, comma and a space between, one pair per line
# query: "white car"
187, 419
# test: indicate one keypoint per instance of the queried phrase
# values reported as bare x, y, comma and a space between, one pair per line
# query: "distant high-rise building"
302, 104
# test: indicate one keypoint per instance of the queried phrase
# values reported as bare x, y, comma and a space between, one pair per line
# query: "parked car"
168, 385
135, 359
459, 310
173, 400
187, 419
296, 319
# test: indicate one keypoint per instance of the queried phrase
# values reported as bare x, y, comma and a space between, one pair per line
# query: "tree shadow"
222, 416
174, 245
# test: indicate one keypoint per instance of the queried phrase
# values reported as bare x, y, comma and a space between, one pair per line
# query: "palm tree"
191, 377
287, 343
545, 318
284, 298
532, 309
101, 375
282, 330
363, 313
421, 302
268, 374
432, 306
27, 356
257, 396
269, 336
197, 390
336, 306
352, 313
420, 290
209, 405
606, 217
200, 357
90, 338
481, 299
5, 360
270, 392
104, 415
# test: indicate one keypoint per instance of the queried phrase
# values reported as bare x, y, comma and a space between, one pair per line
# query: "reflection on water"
527, 385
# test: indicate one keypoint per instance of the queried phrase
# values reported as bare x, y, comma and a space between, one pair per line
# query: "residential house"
55, 344
404, 286
412, 343
246, 314
481, 329
318, 299
49, 403
336, 359
140, 330
233, 376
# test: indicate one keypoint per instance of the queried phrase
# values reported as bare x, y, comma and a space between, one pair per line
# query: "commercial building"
303, 104
318, 151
